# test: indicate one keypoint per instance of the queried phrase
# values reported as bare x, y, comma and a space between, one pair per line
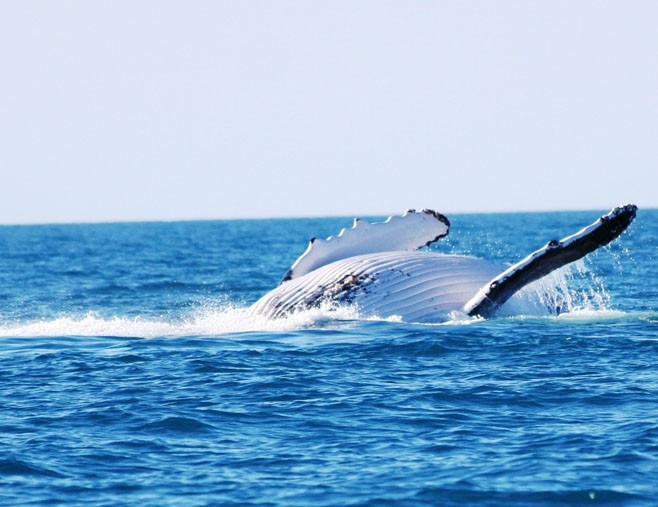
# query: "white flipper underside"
410, 231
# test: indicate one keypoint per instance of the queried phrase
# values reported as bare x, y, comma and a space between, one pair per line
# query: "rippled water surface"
131, 375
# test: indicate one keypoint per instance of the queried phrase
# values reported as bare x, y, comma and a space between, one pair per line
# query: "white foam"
589, 315
205, 322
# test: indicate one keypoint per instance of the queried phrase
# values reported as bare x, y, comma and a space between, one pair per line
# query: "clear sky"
161, 110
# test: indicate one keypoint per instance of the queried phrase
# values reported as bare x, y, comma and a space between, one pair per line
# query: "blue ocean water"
132, 375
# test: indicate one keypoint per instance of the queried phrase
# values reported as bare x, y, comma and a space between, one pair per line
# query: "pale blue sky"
160, 110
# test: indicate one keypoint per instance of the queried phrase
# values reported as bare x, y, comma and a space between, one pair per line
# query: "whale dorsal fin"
410, 231
549, 258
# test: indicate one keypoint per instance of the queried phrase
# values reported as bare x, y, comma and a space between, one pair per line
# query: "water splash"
206, 321
573, 288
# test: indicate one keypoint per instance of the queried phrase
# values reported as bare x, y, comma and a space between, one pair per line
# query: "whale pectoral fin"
410, 231
549, 258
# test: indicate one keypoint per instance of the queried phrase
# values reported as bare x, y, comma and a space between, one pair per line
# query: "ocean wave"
16, 466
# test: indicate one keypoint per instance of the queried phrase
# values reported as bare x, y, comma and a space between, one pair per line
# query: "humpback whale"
380, 268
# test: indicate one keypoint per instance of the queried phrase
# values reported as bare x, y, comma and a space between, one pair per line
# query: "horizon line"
109, 221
